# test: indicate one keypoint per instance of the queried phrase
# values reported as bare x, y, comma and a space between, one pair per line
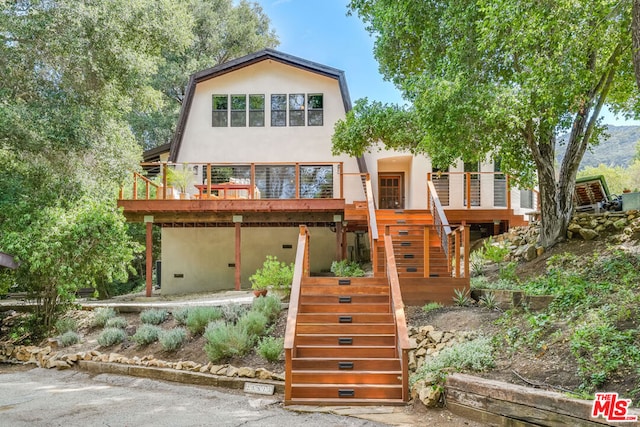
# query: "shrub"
344, 268
111, 336
101, 315
172, 339
473, 355
274, 274
146, 334
489, 301
69, 338
508, 272
254, 322
269, 306
181, 315
270, 348
199, 317
461, 297
232, 312
477, 261
495, 252
66, 324
224, 340
116, 322
431, 306
154, 316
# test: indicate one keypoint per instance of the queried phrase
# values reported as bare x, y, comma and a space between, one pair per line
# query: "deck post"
339, 238
426, 251
468, 189
149, 254
164, 180
238, 251
466, 240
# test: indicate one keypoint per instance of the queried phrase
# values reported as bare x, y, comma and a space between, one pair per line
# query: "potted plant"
274, 274
181, 178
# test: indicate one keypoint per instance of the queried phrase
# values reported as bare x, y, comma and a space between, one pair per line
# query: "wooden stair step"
358, 391
344, 308
342, 318
346, 352
351, 402
343, 290
341, 339
344, 299
345, 328
321, 363
320, 280
346, 377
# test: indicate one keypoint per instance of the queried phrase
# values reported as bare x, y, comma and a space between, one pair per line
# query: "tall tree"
503, 78
222, 30
71, 72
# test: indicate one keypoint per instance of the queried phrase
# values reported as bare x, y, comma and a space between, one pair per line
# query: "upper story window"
256, 110
278, 110
220, 111
296, 109
315, 116
238, 110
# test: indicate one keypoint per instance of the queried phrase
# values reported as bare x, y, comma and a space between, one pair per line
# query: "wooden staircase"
417, 247
345, 349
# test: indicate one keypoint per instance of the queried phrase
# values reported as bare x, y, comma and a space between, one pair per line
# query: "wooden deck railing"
301, 180
301, 269
472, 184
397, 308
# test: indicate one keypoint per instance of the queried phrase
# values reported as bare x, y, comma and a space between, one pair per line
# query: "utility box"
630, 201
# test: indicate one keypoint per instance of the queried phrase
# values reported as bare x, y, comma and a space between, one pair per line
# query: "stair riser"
335, 318
366, 340
329, 392
344, 289
316, 280
380, 364
335, 299
344, 308
346, 378
345, 329
346, 352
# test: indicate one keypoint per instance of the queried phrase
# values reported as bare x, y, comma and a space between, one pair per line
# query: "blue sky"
320, 31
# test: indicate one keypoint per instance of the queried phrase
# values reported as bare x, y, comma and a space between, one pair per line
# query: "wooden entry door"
390, 191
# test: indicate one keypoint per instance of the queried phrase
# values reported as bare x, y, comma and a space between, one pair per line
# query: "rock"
215, 369
412, 343
539, 250
246, 372
588, 234
263, 374
436, 336
429, 395
113, 357
232, 371
620, 224
530, 253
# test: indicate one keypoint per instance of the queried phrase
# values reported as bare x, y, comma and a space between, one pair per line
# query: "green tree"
222, 30
72, 72
503, 78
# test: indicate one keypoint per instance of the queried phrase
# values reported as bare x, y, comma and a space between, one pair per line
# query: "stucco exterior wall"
203, 255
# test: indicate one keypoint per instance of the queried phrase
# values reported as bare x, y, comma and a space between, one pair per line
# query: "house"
251, 159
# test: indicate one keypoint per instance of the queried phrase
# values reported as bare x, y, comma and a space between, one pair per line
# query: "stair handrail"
439, 217
300, 270
371, 209
397, 308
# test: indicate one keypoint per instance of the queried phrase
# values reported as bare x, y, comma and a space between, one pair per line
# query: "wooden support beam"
426, 251
149, 266
339, 241
238, 255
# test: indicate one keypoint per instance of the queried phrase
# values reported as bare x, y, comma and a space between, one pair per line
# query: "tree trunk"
635, 34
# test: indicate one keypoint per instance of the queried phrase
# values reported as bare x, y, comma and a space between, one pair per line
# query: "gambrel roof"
245, 61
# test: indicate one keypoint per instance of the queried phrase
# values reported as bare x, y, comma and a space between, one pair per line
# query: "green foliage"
69, 338
489, 301
346, 268
66, 324
477, 262
111, 336
116, 322
269, 306
154, 316
180, 315
274, 274
172, 339
223, 340
101, 315
270, 348
199, 317
254, 322
146, 334
461, 297
431, 306
181, 177
232, 312
507, 272
475, 355
494, 252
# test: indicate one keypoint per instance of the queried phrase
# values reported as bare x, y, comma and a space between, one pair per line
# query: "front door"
390, 191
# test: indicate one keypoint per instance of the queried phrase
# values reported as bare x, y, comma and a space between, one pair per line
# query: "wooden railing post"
426, 251
457, 252
508, 191
468, 189
467, 249
209, 180
340, 171
164, 180
135, 186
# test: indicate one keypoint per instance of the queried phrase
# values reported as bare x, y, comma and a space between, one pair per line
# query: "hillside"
618, 147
